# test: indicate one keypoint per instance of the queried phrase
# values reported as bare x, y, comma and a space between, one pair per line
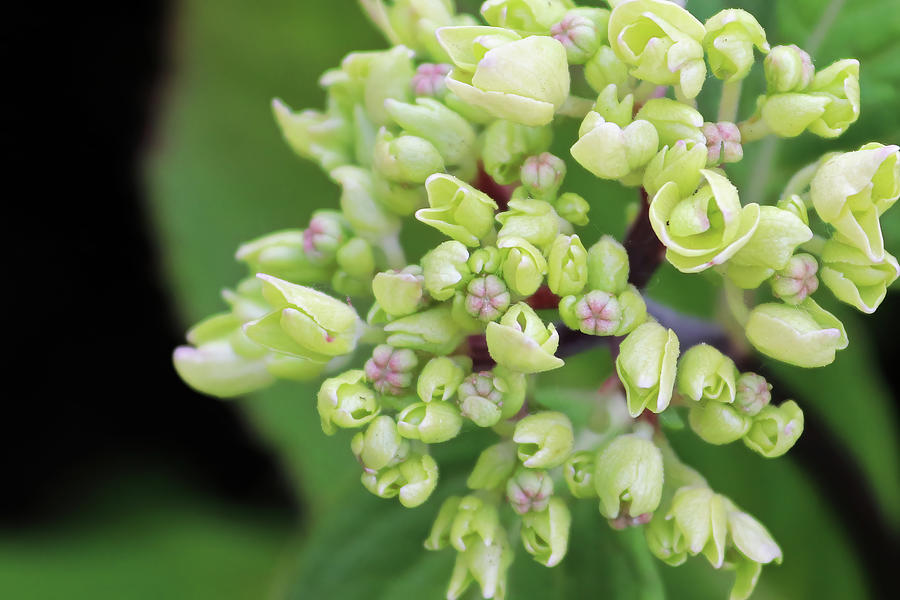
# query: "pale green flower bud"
523, 265
545, 534
457, 209
487, 298
795, 205
646, 367
723, 143
706, 228
323, 138
532, 220
750, 538
326, 233
406, 158
543, 174
439, 536
579, 474
304, 322
595, 313
494, 466
452, 135
788, 69
431, 422
521, 341
488, 397
573, 208
283, 254
854, 278
661, 41
581, 32
390, 370
212, 365
706, 373
797, 280
605, 69
486, 564
246, 300
382, 75
775, 429
753, 393
524, 16
826, 108
805, 335
357, 259
441, 377
400, 293
380, 445
434, 330
476, 521
429, 81
680, 164
628, 477
360, 206
545, 439
730, 37
850, 191
567, 265
446, 269
664, 540
485, 261
529, 490
346, 401
607, 263
524, 81
700, 521
413, 480
673, 120
769, 249
718, 423
611, 152
506, 145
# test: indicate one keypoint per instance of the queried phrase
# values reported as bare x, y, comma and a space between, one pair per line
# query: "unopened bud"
542, 174
753, 393
796, 281
390, 370
529, 490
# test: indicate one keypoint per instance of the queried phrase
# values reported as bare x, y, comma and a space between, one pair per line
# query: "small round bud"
545, 534
753, 393
441, 377
430, 422
579, 36
429, 79
380, 445
775, 429
457, 210
485, 261
704, 373
346, 401
598, 313
400, 293
567, 269
718, 423
532, 220
487, 298
805, 335
445, 269
607, 266
628, 477
646, 366
529, 490
573, 208
723, 143
390, 370
480, 399
452, 135
542, 174
579, 473
545, 439
797, 280
788, 69
506, 145
405, 158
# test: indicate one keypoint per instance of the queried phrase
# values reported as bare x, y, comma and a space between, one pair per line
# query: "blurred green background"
217, 173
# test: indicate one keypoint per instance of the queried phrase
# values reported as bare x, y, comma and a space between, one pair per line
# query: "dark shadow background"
100, 401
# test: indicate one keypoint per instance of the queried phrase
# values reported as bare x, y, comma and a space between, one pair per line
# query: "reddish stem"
499, 193
645, 251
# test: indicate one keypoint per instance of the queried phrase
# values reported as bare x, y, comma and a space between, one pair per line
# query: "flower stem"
730, 101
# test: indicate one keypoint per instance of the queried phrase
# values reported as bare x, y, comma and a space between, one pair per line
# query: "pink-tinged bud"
598, 313
529, 490
579, 36
543, 174
480, 399
390, 370
723, 142
324, 236
487, 298
753, 393
429, 79
797, 280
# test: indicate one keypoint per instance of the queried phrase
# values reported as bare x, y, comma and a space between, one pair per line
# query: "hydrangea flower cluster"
451, 129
